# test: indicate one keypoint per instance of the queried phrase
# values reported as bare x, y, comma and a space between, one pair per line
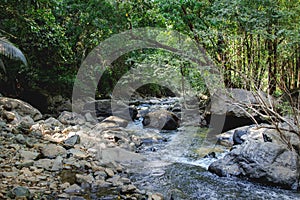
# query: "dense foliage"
257, 40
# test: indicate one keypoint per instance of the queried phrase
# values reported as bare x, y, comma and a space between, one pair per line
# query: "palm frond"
2, 66
11, 51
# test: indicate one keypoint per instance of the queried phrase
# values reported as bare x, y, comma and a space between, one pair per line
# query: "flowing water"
175, 166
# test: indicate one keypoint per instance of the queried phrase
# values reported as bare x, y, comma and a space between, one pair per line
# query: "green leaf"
11, 51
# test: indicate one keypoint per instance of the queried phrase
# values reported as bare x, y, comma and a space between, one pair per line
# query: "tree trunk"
271, 75
297, 70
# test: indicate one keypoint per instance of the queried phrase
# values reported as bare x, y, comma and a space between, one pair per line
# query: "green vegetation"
258, 39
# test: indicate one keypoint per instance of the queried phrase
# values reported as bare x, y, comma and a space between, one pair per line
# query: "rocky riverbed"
74, 156
71, 157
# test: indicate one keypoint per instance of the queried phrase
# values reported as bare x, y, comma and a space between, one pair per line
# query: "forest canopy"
254, 43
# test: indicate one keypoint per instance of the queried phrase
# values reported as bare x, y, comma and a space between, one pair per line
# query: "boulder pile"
69, 157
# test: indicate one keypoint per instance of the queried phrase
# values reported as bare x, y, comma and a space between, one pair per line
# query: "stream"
175, 166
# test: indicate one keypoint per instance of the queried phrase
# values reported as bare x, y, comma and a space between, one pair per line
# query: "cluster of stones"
65, 158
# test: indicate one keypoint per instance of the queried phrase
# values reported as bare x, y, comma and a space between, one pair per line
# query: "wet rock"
264, 162
237, 137
210, 155
21, 107
53, 150
161, 119
71, 141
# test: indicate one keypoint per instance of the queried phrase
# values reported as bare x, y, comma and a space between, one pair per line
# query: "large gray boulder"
264, 162
20, 107
225, 102
234, 104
